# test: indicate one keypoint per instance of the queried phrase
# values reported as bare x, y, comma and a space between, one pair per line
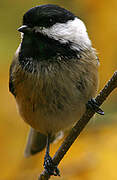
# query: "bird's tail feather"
36, 142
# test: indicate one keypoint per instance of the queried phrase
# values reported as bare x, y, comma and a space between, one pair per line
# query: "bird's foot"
93, 105
49, 166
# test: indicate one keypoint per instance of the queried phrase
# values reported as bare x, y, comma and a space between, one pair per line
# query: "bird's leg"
49, 166
93, 105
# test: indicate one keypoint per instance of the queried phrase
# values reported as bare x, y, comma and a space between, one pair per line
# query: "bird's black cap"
46, 16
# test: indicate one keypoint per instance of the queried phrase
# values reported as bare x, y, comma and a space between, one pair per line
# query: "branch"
77, 129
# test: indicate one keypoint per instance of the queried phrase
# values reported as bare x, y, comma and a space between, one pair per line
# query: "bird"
53, 76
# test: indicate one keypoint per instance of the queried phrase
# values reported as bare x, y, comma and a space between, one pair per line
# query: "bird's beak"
24, 29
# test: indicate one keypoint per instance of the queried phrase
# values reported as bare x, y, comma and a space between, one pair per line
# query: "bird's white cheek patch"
73, 30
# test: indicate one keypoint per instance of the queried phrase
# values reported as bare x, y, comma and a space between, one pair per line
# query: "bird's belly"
54, 101
47, 120
49, 109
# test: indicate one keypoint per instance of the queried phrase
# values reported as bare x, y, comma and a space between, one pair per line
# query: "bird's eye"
50, 19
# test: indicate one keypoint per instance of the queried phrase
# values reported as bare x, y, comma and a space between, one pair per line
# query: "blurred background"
94, 154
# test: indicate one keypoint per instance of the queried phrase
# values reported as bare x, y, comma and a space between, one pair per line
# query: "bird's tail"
36, 142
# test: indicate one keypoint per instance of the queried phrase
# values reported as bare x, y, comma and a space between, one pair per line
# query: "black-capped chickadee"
53, 75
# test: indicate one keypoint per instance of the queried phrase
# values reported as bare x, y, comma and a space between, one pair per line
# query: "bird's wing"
11, 86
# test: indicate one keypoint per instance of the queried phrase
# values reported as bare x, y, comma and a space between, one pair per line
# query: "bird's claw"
93, 105
49, 166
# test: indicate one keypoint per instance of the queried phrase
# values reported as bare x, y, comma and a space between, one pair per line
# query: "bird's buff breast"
51, 101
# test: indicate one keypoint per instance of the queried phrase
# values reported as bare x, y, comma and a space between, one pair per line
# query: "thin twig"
77, 129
